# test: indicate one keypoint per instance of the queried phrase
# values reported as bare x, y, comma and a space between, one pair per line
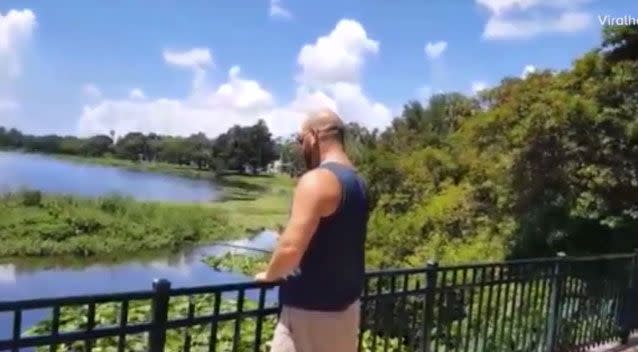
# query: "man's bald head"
326, 124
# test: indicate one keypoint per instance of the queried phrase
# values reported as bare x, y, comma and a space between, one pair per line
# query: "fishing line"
238, 246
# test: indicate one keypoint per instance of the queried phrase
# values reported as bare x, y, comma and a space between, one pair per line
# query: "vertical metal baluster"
601, 319
191, 314
598, 305
404, 313
499, 287
377, 319
488, 309
391, 317
555, 305
160, 304
415, 317
568, 304
55, 327
613, 298
212, 345
515, 282
431, 287
450, 310
564, 335
582, 314
521, 314
508, 304
586, 290
532, 317
90, 318
17, 329
441, 288
469, 328
589, 335
479, 310
260, 318
363, 316
459, 326
237, 330
121, 343
619, 306
544, 306
525, 327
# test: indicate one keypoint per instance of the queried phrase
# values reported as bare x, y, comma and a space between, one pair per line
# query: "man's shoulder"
317, 179
320, 183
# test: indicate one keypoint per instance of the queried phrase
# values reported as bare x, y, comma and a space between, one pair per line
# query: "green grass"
33, 224
256, 202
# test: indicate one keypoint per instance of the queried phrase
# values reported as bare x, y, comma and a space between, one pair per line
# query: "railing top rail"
37, 303
221, 288
601, 257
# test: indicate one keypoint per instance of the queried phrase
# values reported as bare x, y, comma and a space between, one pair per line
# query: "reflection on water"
53, 175
24, 280
7, 273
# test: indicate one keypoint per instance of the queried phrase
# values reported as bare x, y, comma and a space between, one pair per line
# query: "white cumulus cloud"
136, 93
434, 50
478, 86
193, 58
16, 28
237, 100
278, 10
525, 19
501, 7
528, 70
506, 28
329, 71
338, 56
92, 91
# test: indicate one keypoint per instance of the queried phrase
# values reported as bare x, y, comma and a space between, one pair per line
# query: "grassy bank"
33, 224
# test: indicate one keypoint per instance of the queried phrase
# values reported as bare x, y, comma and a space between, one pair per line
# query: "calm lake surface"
29, 279
52, 175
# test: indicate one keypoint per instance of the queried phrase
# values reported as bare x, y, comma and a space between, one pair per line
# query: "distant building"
278, 167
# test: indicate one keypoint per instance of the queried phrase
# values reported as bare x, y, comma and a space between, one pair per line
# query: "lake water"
51, 175
26, 280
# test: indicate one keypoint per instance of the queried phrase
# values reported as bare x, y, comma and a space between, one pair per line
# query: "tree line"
529, 167
239, 149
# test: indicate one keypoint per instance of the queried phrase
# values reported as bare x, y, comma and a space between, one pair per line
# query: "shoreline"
37, 225
145, 166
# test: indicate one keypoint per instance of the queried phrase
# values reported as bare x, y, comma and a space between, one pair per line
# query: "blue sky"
85, 67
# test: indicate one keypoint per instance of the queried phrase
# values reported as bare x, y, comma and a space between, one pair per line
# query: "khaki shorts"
301, 330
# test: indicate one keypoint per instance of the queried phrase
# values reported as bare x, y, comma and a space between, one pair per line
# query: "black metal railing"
551, 304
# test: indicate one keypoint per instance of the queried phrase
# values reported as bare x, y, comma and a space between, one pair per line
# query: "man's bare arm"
307, 208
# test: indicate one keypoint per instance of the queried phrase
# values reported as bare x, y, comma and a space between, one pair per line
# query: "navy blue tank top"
332, 270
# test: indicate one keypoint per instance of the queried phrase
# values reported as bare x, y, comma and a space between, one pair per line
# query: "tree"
97, 146
132, 146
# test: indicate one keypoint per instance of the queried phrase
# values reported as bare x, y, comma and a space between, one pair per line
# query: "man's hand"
261, 277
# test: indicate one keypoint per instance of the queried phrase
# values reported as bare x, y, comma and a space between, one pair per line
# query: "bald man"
324, 239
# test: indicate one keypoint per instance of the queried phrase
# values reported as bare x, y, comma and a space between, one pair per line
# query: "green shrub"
31, 198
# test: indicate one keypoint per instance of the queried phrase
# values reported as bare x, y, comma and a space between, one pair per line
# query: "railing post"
428, 311
629, 310
159, 315
553, 325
